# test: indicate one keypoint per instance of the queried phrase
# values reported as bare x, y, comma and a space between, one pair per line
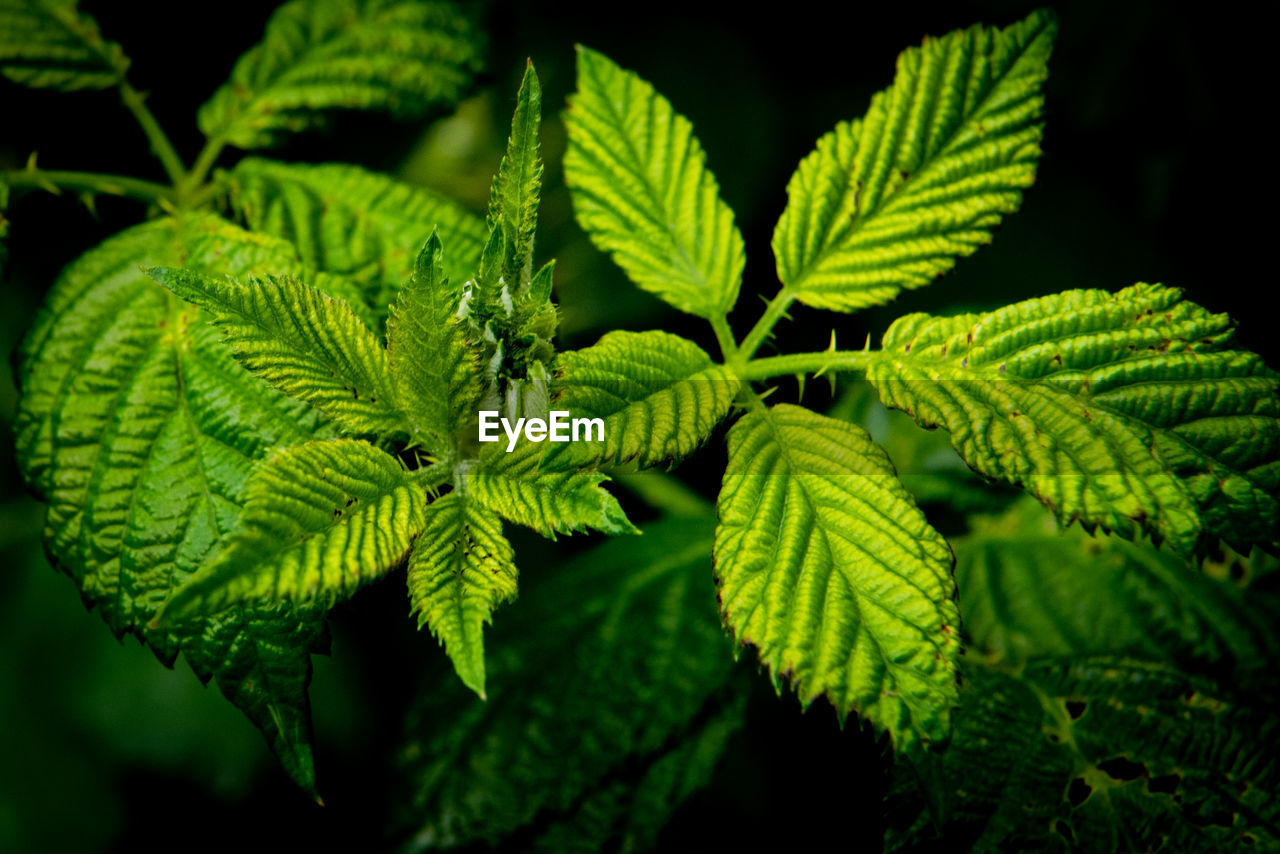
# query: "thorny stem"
92, 182
806, 363
776, 308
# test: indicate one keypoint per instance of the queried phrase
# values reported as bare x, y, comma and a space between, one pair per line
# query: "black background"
1156, 168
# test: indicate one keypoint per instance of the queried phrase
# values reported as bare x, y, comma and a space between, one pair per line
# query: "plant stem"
160, 144
724, 337
204, 162
806, 363
93, 182
775, 309
664, 492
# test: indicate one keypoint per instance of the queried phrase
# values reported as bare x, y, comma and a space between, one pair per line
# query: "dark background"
1155, 169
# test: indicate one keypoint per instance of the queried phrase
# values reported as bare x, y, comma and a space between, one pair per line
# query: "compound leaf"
1127, 411
461, 568
139, 429
51, 44
642, 192
660, 396
348, 220
304, 342
513, 486
892, 200
827, 567
513, 202
610, 700
319, 520
436, 374
399, 56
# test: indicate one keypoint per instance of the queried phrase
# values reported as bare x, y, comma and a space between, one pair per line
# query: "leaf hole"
1064, 830
1121, 768
1076, 708
1079, 791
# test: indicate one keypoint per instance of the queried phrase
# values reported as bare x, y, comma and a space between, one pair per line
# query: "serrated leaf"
513, 486
890, 201
348, 220
460, 570
434, 368
1127, 411
613, 668
139, 429
513, 201
659, 395
319, 521
827, 567
51, 44
642, 192
402, 57
1102, 754
1028, 589
304, 342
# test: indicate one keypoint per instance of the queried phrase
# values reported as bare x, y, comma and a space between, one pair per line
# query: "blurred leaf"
608, 702
397, 56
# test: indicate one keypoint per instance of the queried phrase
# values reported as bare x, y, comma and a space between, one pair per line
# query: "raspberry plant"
266, 395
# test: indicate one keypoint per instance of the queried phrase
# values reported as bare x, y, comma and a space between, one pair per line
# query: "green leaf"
304, 342
461, 568
1028, 589
892, 200
402, 57
1102, 754
629, 812
612, 669
348, 220
319, 521
827, 567
51, 44
660, 396
1127, 411
435, 371
513, 202
513, 486
642, 192
139, 429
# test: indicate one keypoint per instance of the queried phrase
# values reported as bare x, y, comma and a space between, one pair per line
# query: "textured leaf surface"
660, 396
435, 371
51, 44
827, 567
513, 202
1027, 589
1101, 755
513, 486
1127, 410
304, 342
139, 429
890, 201
398, 56
319, 520
642, 191
460, 570
611, 670
348, 220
